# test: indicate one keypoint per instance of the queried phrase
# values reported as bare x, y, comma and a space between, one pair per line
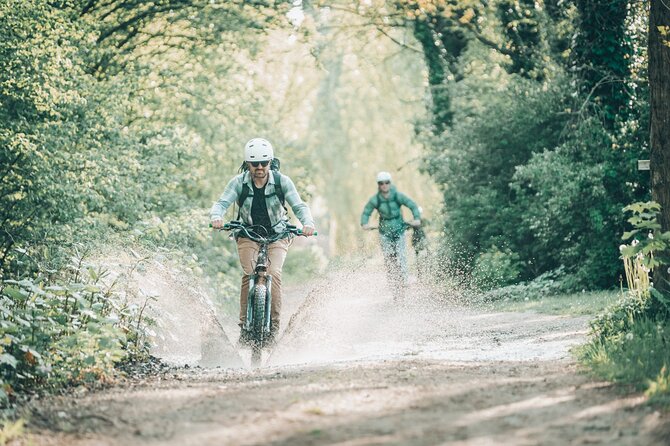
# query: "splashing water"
185, 328
351, 315
348, 314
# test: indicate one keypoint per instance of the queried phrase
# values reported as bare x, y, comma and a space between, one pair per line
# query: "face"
384, 186
258, 169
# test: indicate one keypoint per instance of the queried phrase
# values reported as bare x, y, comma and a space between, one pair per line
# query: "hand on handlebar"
308, 231
217, 224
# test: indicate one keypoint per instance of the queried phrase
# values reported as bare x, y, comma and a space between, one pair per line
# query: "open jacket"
390, 213
276, 211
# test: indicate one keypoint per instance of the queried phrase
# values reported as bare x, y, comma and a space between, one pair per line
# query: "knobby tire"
260, 294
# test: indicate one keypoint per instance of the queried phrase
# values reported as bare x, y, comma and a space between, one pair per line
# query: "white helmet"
383, 176
258, 149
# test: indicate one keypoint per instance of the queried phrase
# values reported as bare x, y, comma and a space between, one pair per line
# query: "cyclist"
262, 208
388, 202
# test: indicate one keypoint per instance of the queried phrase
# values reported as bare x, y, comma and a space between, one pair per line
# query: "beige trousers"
248, 251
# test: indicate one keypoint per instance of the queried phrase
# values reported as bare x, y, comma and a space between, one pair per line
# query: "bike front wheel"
260, 294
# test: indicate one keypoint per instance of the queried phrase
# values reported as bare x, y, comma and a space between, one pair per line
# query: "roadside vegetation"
630, 339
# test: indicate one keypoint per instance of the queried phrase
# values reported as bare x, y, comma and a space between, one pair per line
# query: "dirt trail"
353, 370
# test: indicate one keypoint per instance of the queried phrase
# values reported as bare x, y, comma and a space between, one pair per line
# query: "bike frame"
260, 274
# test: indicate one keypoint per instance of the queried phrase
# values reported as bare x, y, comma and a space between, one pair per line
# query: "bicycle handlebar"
249, 232
406, 224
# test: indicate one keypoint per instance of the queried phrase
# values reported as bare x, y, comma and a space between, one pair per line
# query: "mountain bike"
396, 271
258, 323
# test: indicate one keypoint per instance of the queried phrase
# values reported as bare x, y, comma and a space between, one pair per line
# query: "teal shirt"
276, 212
390, 213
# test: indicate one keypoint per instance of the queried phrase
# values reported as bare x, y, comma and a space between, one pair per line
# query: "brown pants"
248, 251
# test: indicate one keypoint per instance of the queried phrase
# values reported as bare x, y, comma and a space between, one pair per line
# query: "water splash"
185, 328
351, 315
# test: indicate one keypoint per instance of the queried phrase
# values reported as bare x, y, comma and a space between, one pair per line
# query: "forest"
518, 126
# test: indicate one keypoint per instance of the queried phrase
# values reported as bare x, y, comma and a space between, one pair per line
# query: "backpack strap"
279, 190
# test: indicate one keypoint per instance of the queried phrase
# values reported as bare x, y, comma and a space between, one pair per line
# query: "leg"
276, 255
390, 252
401, 256
395, 260
247, 251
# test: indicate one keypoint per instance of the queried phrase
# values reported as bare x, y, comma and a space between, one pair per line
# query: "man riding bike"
262, 208
388, 202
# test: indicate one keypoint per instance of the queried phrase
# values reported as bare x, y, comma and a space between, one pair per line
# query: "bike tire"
258, 323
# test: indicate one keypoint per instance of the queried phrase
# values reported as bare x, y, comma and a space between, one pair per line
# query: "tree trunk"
659, 87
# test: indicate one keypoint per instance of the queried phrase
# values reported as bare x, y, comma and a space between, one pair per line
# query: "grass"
577, 304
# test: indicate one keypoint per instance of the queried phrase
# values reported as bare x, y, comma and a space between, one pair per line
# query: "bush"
65, 331
496, 268
521, 168
548, 284
630, 347
630, 340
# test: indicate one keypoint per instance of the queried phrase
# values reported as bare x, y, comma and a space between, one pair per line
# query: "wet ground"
353, 368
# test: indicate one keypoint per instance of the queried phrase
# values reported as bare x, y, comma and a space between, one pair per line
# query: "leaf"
8, 359
663, 299
629, 234
15, 294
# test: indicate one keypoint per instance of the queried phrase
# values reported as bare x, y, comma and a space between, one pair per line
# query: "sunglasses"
383, 182
259, 163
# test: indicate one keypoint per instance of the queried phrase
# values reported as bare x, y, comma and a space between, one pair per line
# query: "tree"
659, 86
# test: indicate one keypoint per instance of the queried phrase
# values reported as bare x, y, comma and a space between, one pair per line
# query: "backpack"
279, 190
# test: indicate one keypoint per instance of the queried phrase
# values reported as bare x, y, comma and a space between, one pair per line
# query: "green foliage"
630, 347
547, 284
548, 187
629, 341
540, 162
603, 45
496, 268
522, 171
66, 331
652, 245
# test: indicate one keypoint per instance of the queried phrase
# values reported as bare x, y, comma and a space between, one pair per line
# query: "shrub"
496, 268
65, 331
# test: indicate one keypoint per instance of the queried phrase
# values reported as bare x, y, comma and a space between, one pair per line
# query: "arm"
367, 211
300, 209
228, 197
408, 202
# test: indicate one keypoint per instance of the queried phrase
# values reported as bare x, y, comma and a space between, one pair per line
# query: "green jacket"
390, 214
276, 212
